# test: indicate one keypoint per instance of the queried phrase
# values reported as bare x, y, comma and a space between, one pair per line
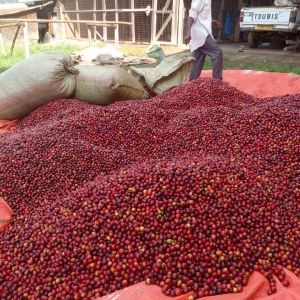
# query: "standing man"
202, 43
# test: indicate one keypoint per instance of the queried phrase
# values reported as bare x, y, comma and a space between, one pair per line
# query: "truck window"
262, 2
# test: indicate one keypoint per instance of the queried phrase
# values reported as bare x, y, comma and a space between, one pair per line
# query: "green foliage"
257, 65
19, 53
134, 50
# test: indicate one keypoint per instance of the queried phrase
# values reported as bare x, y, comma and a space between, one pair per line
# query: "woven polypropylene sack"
34, 82
104, 85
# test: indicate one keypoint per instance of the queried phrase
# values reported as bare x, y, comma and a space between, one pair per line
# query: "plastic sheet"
259, 84
5, 214
6, 125
256, 289
256, 83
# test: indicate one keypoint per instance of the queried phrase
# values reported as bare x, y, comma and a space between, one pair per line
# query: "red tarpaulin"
259, 84
256, 289
5, 214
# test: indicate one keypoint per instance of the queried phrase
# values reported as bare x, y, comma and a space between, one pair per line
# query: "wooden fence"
23, 23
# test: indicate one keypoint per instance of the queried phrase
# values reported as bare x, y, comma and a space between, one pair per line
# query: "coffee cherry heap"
192, 190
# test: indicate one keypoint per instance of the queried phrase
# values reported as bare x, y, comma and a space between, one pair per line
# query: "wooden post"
2, 45
14, 40
95, 19
78, 34
221, 21
237, 25
90, 36
70, 25
154, 22
163, 27
55, 27
116, 38
63, 26
26, 39
117, 34
180, 23
88, 22
104, 19
174, 22
133, 22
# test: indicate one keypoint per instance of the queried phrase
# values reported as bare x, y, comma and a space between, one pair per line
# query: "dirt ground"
231, 52
266, 53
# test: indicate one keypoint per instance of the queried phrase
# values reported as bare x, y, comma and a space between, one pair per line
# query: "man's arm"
187, 37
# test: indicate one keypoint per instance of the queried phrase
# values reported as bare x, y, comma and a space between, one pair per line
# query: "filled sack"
104, 85
34, 82
172, 71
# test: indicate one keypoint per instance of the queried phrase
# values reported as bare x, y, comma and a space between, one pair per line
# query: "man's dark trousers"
212, 49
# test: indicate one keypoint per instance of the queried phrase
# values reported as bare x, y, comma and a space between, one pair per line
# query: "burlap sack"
172, 71
34, 82
104, 85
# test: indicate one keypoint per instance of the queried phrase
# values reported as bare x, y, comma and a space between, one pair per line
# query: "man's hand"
187, 38
215, 23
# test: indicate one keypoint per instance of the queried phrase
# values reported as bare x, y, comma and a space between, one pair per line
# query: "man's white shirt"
200, 11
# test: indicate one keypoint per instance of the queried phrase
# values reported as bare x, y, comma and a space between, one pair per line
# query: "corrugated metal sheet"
16, 11
10, 8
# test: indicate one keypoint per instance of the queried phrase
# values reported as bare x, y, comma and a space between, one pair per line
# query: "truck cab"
271, 23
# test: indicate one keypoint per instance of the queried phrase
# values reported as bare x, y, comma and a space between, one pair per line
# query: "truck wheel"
297, 46
279, 44
253, 42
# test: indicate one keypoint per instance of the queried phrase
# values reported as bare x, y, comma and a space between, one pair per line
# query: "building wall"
143, 23
47, 14
230, 8
262, 2
9, 32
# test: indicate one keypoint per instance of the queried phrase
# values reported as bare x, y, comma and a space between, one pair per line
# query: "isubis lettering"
266, 16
